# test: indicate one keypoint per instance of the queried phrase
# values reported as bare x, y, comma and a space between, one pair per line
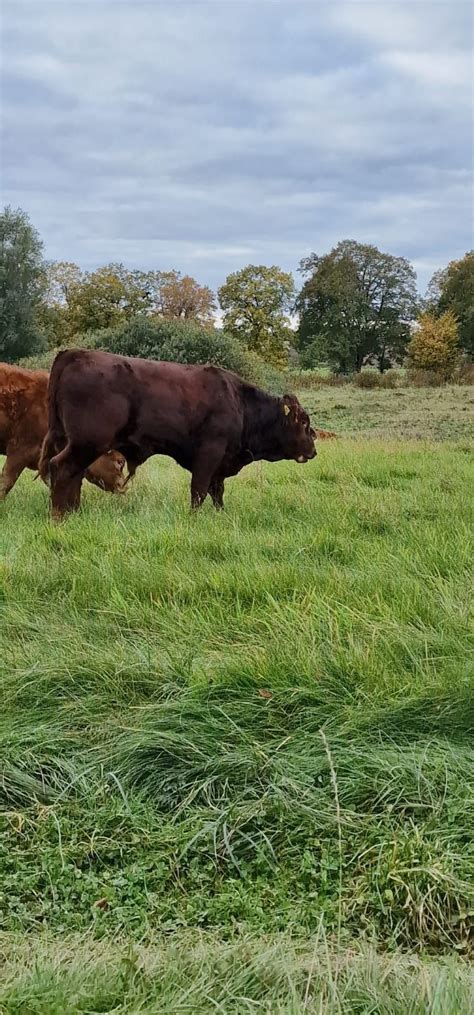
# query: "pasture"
236, 749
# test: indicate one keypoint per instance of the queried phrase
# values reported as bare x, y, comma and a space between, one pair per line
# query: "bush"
177, 341
304, 379
42, 361
367, 379
264, 375
187, 342
315, 379
337, 380
391, 379
464, 374
426, 378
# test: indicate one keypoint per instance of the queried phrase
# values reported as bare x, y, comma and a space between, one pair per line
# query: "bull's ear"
288, 405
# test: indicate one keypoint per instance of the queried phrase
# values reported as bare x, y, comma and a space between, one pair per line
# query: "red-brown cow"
23, 425
209, 420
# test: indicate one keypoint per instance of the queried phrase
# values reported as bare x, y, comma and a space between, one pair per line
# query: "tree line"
357, 306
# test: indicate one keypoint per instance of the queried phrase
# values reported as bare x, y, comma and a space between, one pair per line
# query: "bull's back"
92, 389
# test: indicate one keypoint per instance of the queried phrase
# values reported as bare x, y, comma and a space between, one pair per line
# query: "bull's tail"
55, 436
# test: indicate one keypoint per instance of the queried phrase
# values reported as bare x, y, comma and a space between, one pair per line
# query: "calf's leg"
11, 471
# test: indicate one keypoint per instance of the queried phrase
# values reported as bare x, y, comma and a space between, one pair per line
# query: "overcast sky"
204, 136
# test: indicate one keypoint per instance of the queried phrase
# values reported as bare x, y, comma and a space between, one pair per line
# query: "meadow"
236, 754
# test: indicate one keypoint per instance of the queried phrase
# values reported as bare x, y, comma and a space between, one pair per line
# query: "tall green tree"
256, 301
453, 289
21, 285
355, 307
61, 279
105, 298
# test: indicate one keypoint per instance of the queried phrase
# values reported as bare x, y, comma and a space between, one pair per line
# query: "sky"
206, 136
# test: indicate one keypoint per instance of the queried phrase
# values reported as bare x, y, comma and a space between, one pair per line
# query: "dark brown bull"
23, 425
209, 420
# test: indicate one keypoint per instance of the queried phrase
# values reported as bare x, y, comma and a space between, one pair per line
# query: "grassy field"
233, 745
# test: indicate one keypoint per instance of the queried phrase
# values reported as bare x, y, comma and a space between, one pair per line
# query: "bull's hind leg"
12, 471
67, 472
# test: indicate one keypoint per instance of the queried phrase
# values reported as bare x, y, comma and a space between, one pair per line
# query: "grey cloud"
197, 135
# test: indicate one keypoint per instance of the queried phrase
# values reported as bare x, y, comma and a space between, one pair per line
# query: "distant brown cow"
23, 424
209, 420
325, 435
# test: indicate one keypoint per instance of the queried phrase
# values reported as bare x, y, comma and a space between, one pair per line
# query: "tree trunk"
382, 361
359, 361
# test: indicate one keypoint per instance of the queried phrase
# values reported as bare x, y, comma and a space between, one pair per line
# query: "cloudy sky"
204, 136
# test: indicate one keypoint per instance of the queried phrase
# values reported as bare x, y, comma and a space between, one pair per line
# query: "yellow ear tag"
286, 409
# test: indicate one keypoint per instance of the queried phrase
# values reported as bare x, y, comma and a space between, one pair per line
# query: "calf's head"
107, 472
296, 433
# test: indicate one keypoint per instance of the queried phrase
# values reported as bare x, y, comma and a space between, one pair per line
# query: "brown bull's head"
297, 434
107, 472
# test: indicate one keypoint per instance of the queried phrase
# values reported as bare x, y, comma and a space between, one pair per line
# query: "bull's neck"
261, 416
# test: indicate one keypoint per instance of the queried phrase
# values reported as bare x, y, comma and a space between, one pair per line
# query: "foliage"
453, 289
75, 302
60, 280
369, 379
366, 379
173, 295
21, 282
464, 373
105, 298
355, 306
53, 324
256, 301
171, 339
434, 344
392, 378
182, 342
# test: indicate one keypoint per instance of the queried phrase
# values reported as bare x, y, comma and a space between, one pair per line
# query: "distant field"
232, 745
403, 413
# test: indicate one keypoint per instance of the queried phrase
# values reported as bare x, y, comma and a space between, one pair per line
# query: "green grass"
255, 723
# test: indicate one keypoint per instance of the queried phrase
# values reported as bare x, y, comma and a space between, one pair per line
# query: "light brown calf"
23, 425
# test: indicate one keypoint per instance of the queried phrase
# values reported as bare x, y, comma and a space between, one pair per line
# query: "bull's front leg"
216, 491
206, 463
